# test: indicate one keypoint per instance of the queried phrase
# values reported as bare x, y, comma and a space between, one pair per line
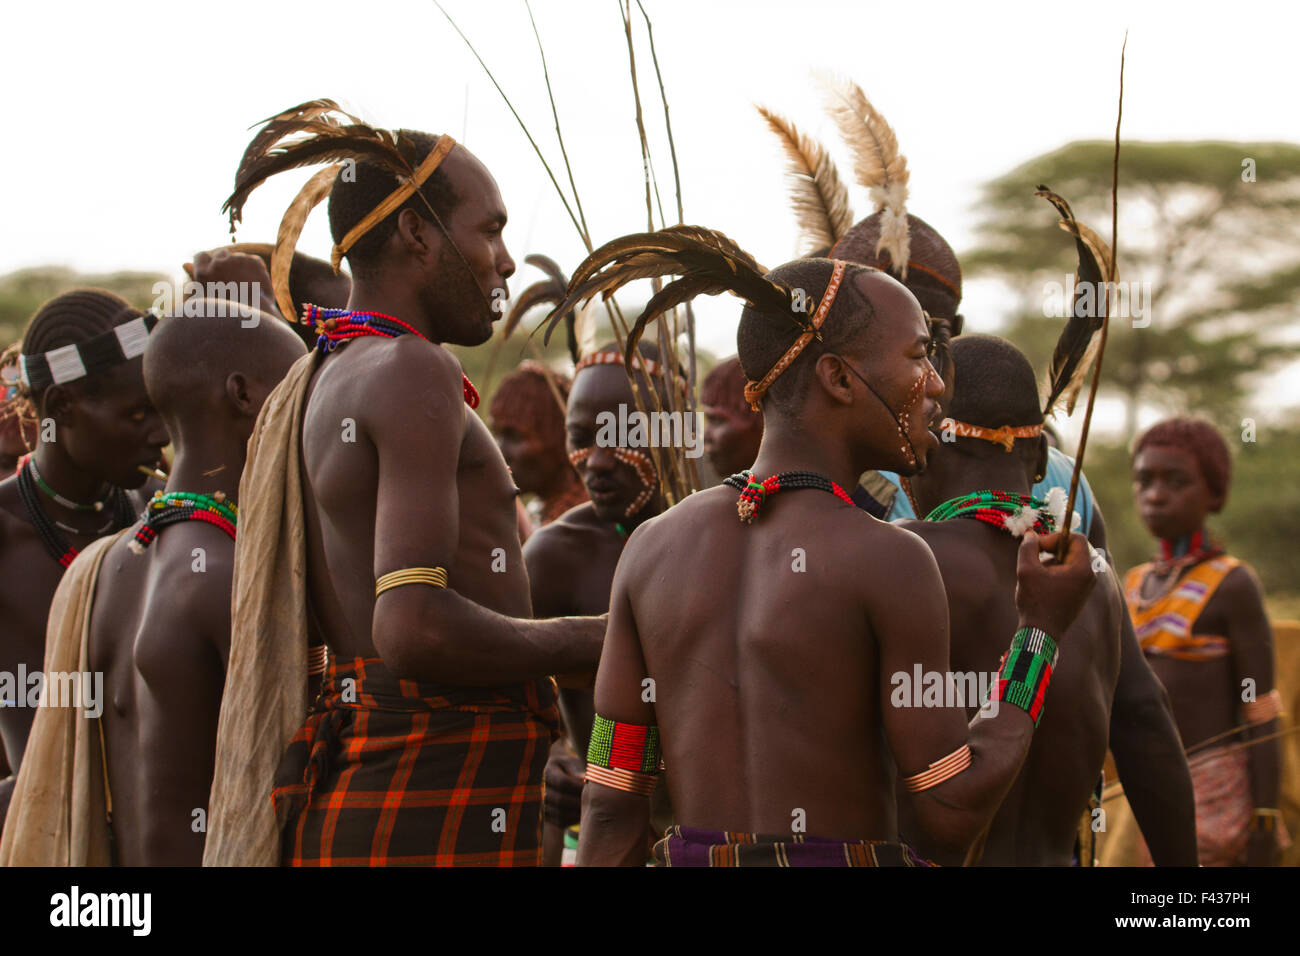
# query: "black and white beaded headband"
71, 362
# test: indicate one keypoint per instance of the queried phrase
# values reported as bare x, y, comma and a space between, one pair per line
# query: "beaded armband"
623, 756
1262, 710
1026, 671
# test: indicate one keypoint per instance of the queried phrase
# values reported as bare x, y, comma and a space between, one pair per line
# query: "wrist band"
1026, 671
434, 577
945, 768
623, 756
1266, 708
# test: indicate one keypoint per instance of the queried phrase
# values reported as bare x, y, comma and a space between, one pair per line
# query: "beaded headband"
1005, 436
394, 199
71, 362
754, 390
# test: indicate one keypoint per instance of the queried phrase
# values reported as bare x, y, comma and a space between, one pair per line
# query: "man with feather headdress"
1142, 735
378, 525
753, 661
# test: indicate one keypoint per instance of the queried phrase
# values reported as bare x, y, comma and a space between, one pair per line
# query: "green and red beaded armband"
1026, 671
623, 756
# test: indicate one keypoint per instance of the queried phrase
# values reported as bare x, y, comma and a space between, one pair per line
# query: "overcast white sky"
126, 120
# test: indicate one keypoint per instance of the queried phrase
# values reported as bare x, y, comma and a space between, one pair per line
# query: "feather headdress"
548, 291
315, 132
819, 196
707, 262
877, 164
1076, 349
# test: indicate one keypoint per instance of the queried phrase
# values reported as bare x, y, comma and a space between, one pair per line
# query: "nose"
934, 386
506, 265
601, 460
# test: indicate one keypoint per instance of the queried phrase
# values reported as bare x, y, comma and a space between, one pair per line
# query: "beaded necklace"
1002, 509
173, 507
754, 493
337, 326
59, 499
48, 531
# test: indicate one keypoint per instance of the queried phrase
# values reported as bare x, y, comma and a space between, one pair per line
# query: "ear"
417, 236
59, 403
834, 378
241, 394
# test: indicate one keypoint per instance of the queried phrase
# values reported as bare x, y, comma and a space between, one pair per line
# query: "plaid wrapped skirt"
396, 772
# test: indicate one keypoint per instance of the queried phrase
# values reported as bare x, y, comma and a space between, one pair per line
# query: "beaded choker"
68, 503
1013, 513
754, 493
172, 507
337, 326
48, 531
1186, 552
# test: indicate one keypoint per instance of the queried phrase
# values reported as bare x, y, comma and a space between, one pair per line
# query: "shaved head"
190, 361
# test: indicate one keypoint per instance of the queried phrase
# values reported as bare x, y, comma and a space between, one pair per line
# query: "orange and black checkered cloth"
394, 772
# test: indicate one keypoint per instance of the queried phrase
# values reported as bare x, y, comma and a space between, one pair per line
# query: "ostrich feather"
877, 164
818, 195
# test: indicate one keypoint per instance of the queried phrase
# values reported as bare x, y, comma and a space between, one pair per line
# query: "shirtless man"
571, 561
160, 622
1199, 615
1038, 821
96, 431
770, 644
398, 475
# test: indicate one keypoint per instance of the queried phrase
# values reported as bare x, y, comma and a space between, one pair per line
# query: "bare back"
765, 665
356, 394
1038, 821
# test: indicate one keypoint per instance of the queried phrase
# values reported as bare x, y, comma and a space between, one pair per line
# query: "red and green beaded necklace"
996, 508
754, 493
172, 507
337, 326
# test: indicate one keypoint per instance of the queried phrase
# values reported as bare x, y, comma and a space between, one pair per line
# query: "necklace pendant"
99, 506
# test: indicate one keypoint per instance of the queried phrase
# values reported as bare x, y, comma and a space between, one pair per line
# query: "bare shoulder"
1241, 586
195, 566
559, 541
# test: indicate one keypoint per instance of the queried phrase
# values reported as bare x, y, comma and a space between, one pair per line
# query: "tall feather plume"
707, 263
286, 240
310, 134
1076, 349
877, 164
550, 290
818, 195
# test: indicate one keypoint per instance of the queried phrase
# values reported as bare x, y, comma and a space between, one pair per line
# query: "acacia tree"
1209, 263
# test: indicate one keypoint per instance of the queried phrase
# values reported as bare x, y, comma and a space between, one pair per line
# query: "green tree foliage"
1211, 226
23, 292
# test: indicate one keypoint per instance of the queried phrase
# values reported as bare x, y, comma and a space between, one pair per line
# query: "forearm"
438, 635
954, 813
614, 826
1157, 783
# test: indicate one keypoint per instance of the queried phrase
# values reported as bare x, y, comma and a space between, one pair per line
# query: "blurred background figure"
527, 419
732, 431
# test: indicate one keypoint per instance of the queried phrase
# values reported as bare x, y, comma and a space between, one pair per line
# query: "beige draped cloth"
58, 812
265, 699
